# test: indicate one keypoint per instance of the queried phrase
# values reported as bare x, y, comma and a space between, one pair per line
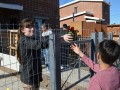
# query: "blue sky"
114, 10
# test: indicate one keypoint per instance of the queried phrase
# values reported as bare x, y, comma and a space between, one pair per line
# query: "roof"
80, 13
94, 18
75, 1
114, 25
11, 6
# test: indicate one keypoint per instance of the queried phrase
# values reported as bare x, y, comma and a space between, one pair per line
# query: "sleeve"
50, 32
44, 42
32, 44
95, 86
62, 39
90, 63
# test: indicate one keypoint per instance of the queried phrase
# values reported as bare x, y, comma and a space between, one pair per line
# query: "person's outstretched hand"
67, 37
77, 50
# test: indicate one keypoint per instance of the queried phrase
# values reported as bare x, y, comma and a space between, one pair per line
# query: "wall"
86, 28
38, 8
97, 8
93, 27
115, 29
69, 21
6, 16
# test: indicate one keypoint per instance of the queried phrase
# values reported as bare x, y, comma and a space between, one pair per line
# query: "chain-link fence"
64, 69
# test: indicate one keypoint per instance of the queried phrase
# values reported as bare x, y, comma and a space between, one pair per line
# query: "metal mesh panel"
10, 69
74, 73
73, 69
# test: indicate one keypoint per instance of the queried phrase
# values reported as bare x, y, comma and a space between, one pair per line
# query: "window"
75, 10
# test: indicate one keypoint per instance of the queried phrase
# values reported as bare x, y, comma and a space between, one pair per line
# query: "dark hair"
25, 23
49, 26
109, 51
45, 25
65, 26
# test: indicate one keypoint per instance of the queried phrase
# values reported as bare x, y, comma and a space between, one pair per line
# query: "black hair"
109, 51
45, 25
65, 26
49, 25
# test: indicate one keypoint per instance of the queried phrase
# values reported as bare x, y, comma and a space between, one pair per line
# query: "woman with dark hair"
29, 52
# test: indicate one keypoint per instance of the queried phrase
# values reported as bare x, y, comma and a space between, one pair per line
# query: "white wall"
9, 61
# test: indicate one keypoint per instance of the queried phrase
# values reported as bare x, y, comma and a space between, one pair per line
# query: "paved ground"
8, 82
73, 77
12, 82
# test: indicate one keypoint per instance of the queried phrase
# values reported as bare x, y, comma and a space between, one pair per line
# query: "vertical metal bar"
79, 72
93, 49
110, 35
91, 55
94, 44
73, 16
100, 37
119, 44
54, 52
79, 63
119, 39
0, 43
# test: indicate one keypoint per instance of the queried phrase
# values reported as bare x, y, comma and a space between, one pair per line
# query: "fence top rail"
82, 41
9, 30
15, 30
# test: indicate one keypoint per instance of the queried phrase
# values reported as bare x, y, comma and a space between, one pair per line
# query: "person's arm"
44, 42
66, 37
90, 63
85, 59
29, 43
49, 32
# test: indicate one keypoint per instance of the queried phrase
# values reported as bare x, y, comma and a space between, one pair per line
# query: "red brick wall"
114, 29
95, 7
39, 8
89, 27
76, 19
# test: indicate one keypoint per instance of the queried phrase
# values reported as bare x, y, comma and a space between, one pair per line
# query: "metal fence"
67, 71
75, 74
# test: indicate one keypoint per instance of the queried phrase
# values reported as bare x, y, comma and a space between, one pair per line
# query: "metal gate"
68, 71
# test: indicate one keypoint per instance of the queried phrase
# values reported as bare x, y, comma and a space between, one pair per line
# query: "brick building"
115, 29
12, 11
97, 11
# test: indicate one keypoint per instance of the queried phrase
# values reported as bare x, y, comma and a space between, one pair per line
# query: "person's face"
28, 31
43, 28
64, 28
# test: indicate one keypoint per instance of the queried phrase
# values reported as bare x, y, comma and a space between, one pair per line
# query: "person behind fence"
28, 55
107, 76
65, 27
46, 31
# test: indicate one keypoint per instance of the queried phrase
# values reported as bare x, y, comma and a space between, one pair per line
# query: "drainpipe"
73, 16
